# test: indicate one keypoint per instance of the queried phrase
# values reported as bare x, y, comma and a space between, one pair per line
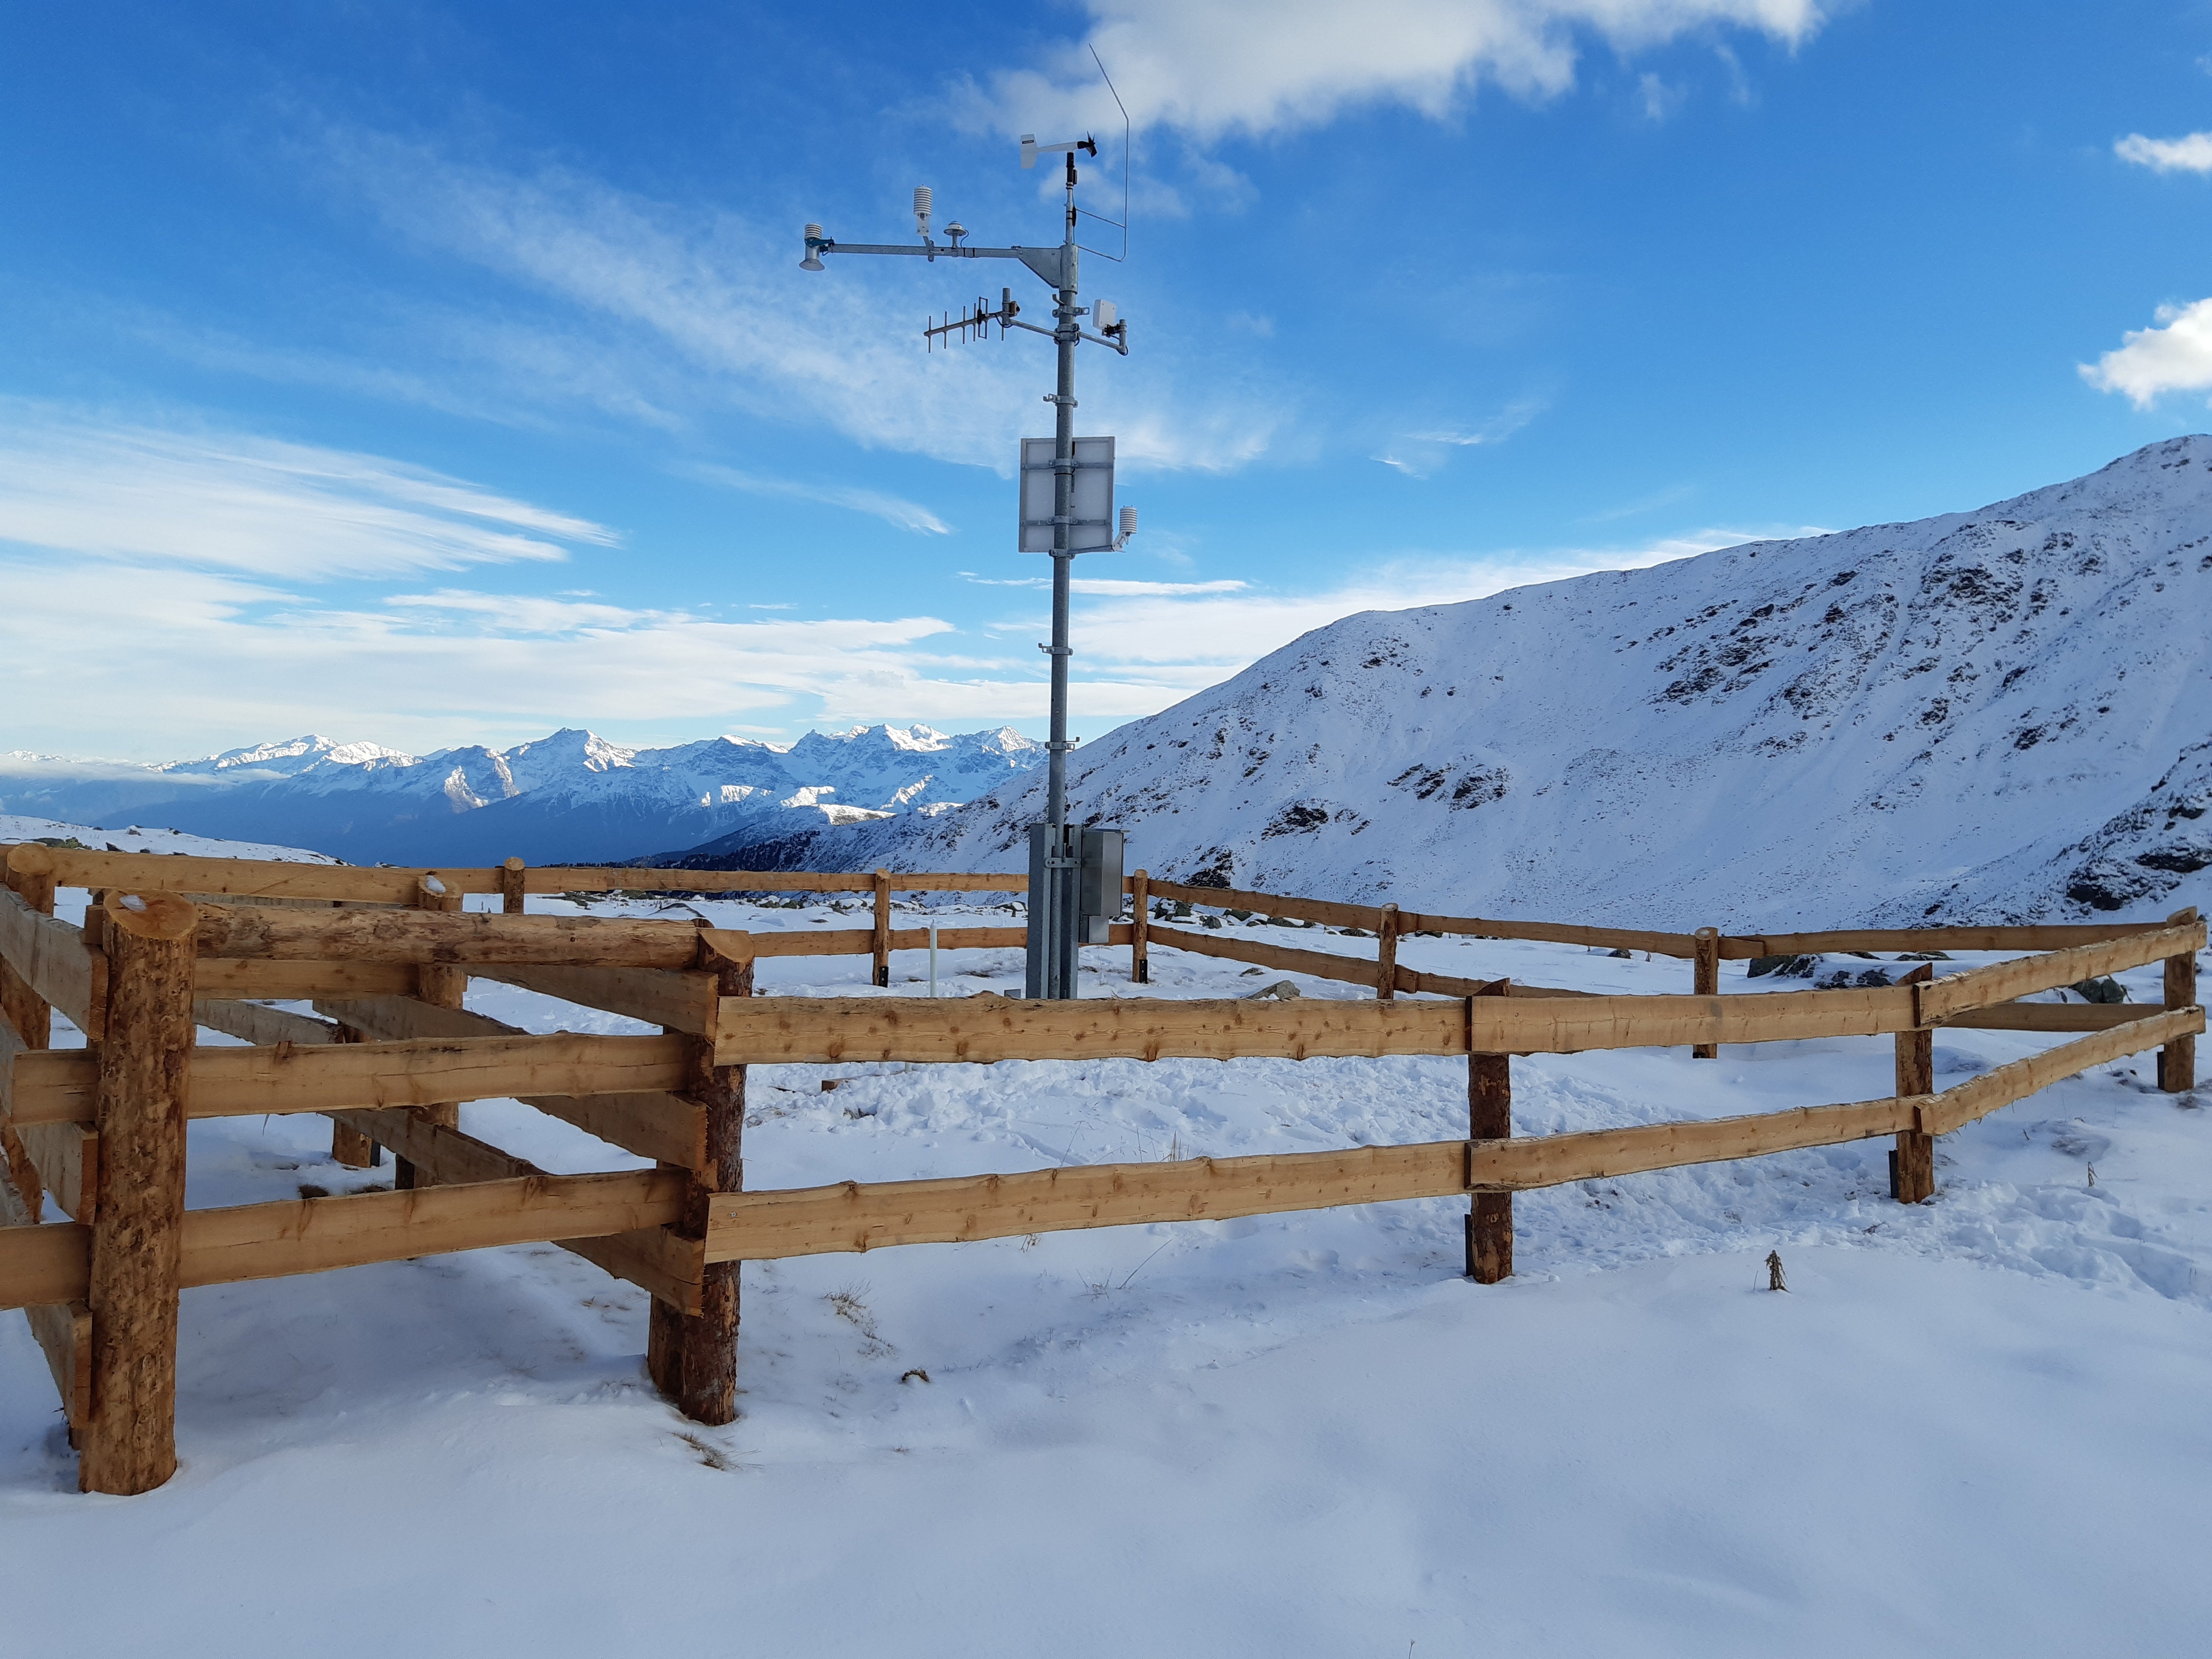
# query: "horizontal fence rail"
853, 1216
385, 955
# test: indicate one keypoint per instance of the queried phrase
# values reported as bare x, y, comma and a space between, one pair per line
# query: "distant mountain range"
570, 798
1991, 715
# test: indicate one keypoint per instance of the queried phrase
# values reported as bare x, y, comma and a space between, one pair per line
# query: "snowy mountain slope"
1991, 714
572, 796
14, 828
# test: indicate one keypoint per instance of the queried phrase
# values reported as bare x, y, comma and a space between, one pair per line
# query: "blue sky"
435, 373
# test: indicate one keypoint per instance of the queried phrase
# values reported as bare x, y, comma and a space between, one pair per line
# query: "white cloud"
156, 623
72, 482
2176, 356
1212, 67
904, 514
2192, 153
705, 300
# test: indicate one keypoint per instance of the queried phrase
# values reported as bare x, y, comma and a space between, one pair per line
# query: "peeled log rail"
763, 1226
440, 937
1979, 1097
861, 941
650, 1123
679, 1001
851, 1217
51, 958
983, 1030
246, 977
2043, 1017
56, 1087
1321, 964
1553, 933
47, 1264
654, 1259
1737, 947
2002, 981
317, 1235
184, 873
41, 1265
385, 884
616, 878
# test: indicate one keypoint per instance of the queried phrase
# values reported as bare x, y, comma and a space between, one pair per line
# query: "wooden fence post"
510, 887
2177, 1062
350, 1146
693, 1358
1141, 939
883, 941
1706, 982
22, 1006
1912, 1165
33, 1018
1490, 1117
1386, 953
144, 1056
441, 986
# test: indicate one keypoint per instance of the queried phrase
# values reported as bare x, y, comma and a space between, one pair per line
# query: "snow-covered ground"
1972, 1426
15, 827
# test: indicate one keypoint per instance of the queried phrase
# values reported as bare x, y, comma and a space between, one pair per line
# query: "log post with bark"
128, 1442
693, 1357
1490, 1117
1912, 1165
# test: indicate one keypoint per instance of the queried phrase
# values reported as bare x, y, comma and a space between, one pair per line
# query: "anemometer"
1066, 507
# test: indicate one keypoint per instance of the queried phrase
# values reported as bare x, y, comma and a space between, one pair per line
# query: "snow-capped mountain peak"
572, 796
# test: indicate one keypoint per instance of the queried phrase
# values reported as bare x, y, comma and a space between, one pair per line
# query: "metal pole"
1061, 857
1066, 335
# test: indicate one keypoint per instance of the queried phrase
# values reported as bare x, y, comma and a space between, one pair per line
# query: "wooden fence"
172, 943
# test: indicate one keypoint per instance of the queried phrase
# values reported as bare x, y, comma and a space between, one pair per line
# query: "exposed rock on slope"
1992, 714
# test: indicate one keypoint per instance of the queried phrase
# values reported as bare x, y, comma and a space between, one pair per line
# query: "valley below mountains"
570, 798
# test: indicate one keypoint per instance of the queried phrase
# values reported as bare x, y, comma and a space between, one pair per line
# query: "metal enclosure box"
1075, 897
1101, 901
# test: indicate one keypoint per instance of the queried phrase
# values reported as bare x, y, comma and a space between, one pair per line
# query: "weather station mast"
1065, 486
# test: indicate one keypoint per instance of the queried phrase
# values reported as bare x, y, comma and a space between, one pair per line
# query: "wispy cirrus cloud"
1418, 455
710, 307
76, 482
902, 514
